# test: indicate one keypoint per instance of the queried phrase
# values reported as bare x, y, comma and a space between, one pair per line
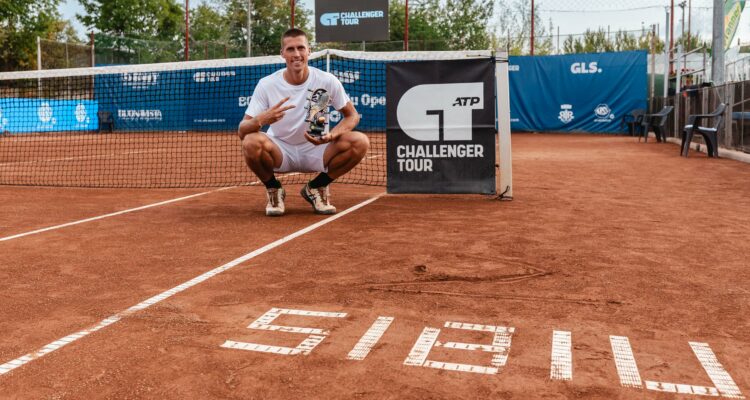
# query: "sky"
571, 16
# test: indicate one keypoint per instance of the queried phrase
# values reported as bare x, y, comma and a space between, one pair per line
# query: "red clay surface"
605, 236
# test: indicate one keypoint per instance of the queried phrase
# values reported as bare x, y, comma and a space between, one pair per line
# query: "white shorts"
305, 157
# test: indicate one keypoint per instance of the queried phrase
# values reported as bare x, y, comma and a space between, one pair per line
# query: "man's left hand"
318, 140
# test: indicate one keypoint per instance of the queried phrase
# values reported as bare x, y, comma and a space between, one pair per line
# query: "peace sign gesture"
274, 113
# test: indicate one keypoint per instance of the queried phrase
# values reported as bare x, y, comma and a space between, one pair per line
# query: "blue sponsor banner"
47, 115
207, 99
577, 92
218, 97
215, 99
143, 100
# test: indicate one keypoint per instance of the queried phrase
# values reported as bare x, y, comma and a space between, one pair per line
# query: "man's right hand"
274, 113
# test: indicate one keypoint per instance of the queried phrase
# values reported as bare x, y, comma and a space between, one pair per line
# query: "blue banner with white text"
576, 92
18, 115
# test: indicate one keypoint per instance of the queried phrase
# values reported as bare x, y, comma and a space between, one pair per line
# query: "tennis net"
171, 124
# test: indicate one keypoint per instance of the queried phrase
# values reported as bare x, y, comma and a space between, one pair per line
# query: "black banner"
441, 126
351, 21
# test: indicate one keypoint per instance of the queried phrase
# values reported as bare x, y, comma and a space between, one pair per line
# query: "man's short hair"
293, 32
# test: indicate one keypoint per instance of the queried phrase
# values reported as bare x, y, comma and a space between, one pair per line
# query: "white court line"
627, 369
57, 344
561, 367
369, 339
132, 210
111, 214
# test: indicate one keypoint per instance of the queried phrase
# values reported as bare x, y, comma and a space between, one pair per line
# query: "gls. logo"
423, 109
582, 68
330, 19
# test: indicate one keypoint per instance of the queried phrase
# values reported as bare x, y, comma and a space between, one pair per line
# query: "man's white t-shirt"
274, 88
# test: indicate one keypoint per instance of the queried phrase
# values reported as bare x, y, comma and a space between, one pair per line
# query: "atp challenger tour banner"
351, 21
576, 92
441, 126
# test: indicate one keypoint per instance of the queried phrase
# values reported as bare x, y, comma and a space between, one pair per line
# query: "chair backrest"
718, 115
105, 116
663, 114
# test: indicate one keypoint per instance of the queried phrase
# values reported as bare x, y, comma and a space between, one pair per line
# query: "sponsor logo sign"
351, 21
139, 115
441, 127
603, 113
140, 80
566, 113
585, 68
212, 76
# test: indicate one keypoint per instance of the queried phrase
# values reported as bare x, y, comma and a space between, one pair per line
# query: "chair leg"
712, 145
688, 141
682, 142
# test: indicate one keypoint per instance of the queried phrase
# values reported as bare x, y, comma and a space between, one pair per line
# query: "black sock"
272, 183
321, 180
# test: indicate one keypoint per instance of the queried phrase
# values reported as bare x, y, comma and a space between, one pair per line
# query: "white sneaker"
319, 198
275, 205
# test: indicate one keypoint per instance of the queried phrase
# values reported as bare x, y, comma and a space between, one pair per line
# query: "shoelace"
273, 197
319, 194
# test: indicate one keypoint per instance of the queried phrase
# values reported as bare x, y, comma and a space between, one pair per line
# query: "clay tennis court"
608, 245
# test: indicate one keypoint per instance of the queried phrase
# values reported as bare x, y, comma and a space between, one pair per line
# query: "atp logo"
330, 19
426, 110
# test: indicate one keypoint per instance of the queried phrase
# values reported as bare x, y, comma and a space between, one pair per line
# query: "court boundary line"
59, 343
116, 213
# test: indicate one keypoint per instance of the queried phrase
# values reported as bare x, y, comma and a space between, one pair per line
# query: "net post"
503, 125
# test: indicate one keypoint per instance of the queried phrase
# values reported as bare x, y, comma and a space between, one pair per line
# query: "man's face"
295, 51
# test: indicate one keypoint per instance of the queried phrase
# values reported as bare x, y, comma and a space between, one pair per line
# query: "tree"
21, 22
443, 25
464, 24
270, 19
599, 41
156, 24
514, 29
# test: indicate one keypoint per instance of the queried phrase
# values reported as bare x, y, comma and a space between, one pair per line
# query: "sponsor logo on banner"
514, 68
45, 113
3, 121
566, 113
139, 115
212, 76
140, 80
346, 76
349, 18
584, 68
81, 115
244, 101
329, 19
603, 113
441, 127
417, 109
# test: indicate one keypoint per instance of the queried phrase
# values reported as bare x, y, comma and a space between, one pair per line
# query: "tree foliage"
514, 29
21, 22
270, 18
443, 25
600, 41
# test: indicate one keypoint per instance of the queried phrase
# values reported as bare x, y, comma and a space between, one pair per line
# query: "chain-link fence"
56, 55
